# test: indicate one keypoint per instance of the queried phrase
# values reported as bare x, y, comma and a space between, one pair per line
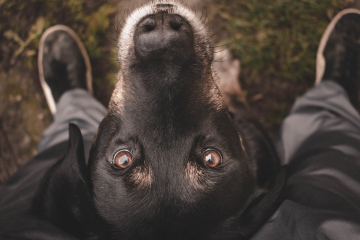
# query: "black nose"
163, 36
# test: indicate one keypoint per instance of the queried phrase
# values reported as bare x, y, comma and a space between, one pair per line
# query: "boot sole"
320, 59
47, 91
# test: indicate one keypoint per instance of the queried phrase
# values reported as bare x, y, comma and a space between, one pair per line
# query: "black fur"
167, 119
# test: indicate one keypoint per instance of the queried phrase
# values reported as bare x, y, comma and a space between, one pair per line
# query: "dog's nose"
163, 35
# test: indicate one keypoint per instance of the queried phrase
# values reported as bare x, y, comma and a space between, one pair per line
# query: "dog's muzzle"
163, 36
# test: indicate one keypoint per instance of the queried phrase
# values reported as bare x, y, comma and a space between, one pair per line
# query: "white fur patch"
117, 97
242, 144
126, 42
141, 177
214, 94
197, 177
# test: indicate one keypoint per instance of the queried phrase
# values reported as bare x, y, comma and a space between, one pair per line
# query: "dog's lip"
163, 7
125, 42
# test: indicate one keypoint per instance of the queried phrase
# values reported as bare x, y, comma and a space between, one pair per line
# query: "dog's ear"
263, 203
259, 209
63, 196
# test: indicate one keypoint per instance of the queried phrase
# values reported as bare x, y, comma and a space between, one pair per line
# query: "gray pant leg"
324, 109
75, 106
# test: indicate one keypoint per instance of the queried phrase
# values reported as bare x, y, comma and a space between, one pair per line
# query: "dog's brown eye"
122, 159
212, 158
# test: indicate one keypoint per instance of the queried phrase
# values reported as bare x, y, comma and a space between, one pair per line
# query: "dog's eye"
122, 159
212, 158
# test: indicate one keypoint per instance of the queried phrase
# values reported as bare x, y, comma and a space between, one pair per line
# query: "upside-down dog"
170, 160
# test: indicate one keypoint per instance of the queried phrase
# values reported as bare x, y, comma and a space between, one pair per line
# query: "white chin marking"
202, 45
126, 43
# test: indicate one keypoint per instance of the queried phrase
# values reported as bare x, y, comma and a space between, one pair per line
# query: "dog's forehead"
126, 42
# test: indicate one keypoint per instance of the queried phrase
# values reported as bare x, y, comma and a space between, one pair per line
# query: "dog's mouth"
164, 30
163, 7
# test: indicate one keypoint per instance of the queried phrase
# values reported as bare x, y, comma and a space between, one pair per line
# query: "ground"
275, 40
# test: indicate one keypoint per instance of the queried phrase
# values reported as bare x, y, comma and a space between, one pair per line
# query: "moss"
24, 114
91, 27
76, 8
26, 108
278, 38
96, 25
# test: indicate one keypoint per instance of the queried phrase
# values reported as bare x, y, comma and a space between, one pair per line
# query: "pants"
322, 118
76, 106
320, 141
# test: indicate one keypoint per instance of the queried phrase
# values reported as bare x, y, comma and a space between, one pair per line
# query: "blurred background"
275, 40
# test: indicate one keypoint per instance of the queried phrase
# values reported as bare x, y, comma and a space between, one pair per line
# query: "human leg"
65, 75
326, 116
320, 142
75, 106
324, 113
67, 87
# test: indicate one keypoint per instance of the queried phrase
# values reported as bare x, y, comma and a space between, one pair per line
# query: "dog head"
167, 161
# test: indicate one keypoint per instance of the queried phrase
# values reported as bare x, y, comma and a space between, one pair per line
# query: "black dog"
168, 162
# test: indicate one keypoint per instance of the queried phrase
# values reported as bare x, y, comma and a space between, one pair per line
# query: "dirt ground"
23, 110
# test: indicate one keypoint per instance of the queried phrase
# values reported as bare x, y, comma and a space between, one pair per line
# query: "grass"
276, 38
23, 112
276, 42
90, 25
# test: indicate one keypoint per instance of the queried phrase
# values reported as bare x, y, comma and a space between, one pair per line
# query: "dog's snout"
163, 35
175, 22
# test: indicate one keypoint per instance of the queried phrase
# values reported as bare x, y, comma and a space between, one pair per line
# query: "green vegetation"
90, 25
277, 38
23, 113
276, 42
93, 26
90, 20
